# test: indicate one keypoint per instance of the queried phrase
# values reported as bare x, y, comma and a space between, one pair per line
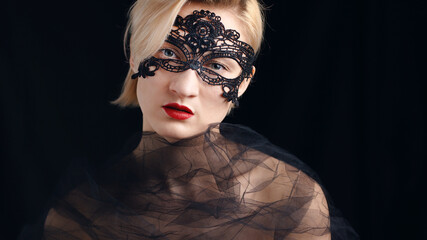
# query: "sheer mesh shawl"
227, 183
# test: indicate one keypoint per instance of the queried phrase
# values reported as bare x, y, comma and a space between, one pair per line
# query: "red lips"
176, 111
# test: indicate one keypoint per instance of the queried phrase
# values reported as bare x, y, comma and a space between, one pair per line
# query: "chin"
176, 132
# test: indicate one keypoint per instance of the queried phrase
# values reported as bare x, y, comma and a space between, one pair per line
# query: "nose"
185, 84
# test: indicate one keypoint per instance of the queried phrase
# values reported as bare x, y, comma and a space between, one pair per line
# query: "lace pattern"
202, 38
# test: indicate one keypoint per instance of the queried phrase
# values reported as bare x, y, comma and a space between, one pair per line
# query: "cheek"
145, 97
215, 104
148, 90
141, 93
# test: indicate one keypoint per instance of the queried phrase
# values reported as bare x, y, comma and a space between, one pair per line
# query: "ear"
244, 85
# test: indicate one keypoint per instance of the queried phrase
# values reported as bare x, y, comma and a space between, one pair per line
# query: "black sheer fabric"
227, 183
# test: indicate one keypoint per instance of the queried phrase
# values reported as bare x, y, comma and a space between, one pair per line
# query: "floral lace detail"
201, 38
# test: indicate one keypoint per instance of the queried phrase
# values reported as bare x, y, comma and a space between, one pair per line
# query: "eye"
224, 67
168, 53
217, 66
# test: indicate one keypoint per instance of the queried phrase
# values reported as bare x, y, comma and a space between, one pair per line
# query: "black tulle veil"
226, 183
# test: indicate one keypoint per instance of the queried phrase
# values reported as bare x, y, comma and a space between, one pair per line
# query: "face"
182, 89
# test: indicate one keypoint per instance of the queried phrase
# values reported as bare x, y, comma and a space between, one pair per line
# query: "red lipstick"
176, 111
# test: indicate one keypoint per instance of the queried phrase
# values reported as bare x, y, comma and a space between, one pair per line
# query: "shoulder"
272, 180
297, 199
64, 220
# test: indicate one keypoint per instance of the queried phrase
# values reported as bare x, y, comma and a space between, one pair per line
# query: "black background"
339, 83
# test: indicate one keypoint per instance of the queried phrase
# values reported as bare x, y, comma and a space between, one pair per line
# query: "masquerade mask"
201, 43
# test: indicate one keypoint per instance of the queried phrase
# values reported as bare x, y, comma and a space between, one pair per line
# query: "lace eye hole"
225, 67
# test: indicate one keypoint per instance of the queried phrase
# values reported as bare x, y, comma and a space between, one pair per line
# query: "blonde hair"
150, 21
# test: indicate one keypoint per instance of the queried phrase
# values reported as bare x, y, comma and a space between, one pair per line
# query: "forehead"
228, 16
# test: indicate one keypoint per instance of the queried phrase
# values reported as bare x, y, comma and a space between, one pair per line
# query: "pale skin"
185, 88
209, 106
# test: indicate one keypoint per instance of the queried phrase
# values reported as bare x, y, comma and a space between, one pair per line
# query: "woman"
188, 176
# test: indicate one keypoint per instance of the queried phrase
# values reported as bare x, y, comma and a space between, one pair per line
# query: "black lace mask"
200, 42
